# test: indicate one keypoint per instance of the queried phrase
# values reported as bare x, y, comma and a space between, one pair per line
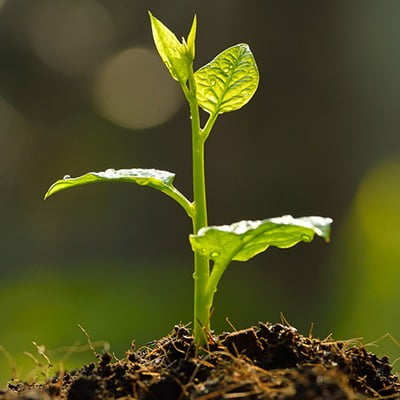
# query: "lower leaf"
243, 240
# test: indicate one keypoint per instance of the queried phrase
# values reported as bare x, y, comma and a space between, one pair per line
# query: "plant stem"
217, 271
209, 125
201, 263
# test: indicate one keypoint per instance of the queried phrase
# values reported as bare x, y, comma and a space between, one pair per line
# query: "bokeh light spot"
69, 35
378, 205
133, 90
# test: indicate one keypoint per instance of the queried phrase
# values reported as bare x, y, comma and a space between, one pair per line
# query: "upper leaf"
191, 48
228, 82
173, 53
245, 239
157, 179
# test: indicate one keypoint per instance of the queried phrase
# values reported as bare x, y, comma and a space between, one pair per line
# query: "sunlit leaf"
245, 239
157, 179
228, 82
191, 48
171, 50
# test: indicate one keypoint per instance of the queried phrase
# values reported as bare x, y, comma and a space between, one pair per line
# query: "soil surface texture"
271, 361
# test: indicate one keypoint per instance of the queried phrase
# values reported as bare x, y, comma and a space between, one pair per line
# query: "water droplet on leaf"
215, 254
67, 177
212, 82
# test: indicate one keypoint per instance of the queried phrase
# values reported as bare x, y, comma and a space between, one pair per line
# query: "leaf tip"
329, 222
191, 39
48, 193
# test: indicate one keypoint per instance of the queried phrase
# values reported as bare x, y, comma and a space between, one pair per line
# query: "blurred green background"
81, 89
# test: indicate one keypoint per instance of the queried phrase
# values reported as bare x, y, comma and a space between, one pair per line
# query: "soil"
271, 361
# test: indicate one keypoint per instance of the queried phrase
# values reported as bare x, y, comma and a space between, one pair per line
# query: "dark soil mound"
265, 362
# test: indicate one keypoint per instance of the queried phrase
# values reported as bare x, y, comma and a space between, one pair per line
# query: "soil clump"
271, 361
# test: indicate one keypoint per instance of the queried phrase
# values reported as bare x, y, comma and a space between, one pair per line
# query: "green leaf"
245, 239
228, 82
191, 48
157, 179
173, 53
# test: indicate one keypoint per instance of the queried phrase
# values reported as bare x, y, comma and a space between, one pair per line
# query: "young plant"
225, 84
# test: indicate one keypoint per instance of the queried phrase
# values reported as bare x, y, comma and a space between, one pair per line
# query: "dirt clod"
271, 361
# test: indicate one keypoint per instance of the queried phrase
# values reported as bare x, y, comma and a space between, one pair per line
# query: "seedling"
225, 84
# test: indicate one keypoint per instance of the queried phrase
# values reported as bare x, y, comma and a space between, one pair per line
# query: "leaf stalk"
209, 125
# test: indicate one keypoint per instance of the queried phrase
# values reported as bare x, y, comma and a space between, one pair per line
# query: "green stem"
209, 125
217, 271
201, 263
180, 199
